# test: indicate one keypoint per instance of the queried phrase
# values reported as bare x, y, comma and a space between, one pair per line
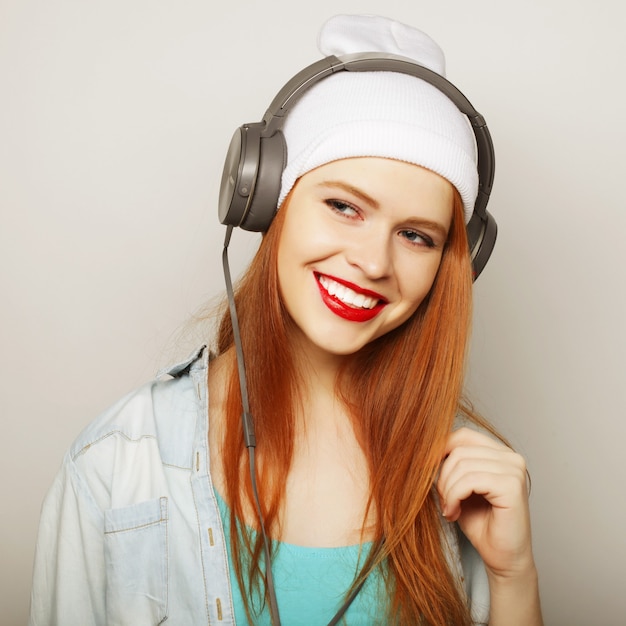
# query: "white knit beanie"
380, 114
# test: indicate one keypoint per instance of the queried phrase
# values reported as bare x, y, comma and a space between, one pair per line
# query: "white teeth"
347, 295
359, 300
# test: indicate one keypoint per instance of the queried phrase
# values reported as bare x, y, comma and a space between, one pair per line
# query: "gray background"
115, 120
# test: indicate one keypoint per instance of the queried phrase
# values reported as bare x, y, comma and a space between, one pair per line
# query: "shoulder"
164, 404
149, 428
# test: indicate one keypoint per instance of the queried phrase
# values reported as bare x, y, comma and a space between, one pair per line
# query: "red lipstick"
345, 311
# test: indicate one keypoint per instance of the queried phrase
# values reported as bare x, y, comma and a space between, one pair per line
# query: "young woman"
357, 488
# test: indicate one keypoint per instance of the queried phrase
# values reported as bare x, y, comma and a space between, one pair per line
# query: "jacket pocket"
136, 557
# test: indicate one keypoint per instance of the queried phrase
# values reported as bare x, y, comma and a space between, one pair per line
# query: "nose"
370, 251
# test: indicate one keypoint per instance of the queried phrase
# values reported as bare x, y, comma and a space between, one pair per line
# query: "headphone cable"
248, 428
250, 443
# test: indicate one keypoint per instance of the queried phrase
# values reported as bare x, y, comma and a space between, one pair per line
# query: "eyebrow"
418, 222
353, 190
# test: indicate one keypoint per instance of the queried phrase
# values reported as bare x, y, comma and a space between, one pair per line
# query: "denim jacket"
130, 532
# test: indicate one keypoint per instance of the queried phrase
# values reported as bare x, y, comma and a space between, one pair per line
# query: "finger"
471, 458
465, 436
502, 488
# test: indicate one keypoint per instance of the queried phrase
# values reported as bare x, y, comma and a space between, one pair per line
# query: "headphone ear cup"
251, 178
240, 168
264, 198
482, 232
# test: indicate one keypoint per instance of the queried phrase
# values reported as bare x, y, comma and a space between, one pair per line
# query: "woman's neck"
317, 378
327, 487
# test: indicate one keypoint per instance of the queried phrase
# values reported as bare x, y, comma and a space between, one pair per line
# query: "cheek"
296, 249
418, 281
306, 237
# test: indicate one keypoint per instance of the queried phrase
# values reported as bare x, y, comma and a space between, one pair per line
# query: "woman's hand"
482, 486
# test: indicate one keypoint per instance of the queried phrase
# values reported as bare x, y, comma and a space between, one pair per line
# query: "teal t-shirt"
311, 584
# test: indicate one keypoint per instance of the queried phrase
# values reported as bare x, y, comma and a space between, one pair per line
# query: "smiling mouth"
344, 300
346, 295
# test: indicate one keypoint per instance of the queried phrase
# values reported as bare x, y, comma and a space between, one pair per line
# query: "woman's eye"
417, 239
343, 208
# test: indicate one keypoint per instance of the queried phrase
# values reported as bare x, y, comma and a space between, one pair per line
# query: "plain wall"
115, 118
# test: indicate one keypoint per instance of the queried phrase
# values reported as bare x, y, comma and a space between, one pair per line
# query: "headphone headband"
257, 154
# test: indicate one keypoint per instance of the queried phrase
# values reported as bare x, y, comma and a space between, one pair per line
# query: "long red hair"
402, 423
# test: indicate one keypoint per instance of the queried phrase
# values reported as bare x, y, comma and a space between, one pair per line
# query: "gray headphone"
257, 153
